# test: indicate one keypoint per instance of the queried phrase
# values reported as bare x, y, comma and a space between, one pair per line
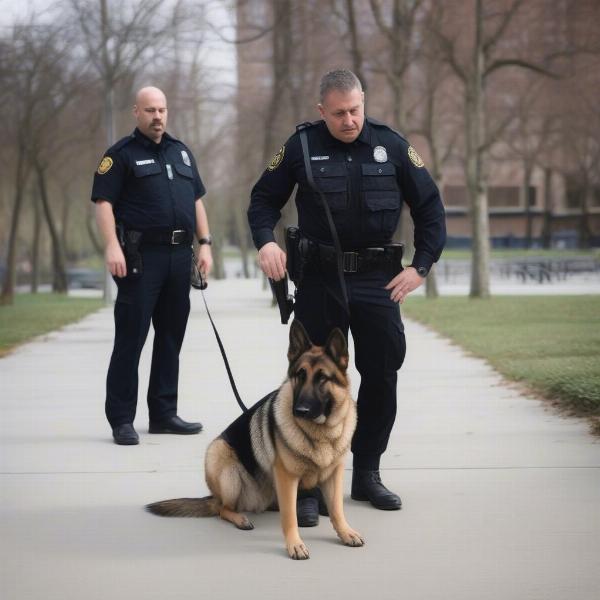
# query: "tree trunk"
8, 285
241, 231
35, 248
525, 184
547, 218
585, 233
90, 225
355, 49
59, 276
476, 184
431, 286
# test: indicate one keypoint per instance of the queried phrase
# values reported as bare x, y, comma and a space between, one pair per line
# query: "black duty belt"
168, 238
363, 260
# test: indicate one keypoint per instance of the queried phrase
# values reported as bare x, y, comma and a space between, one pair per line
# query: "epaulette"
171, 138
122, 142
306, 125
377, 123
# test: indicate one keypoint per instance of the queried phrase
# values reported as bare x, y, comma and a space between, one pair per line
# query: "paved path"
501, 496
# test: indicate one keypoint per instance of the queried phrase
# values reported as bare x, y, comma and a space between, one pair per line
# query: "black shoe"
125, 435
366, 485
322, 504
174, 425
307, 511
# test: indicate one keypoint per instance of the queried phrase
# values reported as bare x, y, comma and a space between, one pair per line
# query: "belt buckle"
174, 236
350, 262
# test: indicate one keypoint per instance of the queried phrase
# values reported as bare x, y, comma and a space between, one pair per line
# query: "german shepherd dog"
297, 436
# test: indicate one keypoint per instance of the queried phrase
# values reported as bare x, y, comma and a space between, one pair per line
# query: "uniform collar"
148, 143
364, 136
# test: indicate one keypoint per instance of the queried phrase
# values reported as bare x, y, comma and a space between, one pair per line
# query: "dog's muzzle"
308, 408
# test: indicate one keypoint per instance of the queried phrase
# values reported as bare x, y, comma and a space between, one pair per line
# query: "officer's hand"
272, 261
204, 260
115, 260
404, 283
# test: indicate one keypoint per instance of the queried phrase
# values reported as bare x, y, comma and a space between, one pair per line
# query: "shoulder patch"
415, 158
105, 164
276, 160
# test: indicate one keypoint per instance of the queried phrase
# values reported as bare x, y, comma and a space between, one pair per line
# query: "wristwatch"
205, 240
422, 271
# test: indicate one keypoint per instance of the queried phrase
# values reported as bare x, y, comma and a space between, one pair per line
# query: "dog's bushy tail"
186, 507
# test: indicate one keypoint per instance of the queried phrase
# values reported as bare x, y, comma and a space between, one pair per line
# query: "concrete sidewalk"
501, 496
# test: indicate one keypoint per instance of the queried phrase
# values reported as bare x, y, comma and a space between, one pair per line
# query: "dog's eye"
322, 377
301, 375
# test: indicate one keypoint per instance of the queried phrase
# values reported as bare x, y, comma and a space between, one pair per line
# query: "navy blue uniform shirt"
150, 186
365, 183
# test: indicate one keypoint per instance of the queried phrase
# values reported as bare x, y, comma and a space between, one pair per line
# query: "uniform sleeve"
270, 193
426, 208
108, 178
199, 189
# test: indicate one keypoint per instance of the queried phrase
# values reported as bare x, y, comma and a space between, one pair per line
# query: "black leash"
199, 283
336, 241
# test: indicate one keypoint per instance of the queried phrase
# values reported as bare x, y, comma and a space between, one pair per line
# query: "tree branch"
508, 16
517, 62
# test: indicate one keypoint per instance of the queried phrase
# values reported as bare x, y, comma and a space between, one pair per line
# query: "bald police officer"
366, 171
148, 192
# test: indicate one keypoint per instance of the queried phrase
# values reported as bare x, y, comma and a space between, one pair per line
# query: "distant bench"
547, 269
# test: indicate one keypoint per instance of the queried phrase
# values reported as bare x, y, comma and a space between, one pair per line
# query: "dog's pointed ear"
299, 341
337, 348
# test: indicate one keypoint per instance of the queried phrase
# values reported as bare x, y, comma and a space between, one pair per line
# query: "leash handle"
332, 229
224, 355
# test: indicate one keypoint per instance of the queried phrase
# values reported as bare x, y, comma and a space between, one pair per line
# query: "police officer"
148, 193
366, 171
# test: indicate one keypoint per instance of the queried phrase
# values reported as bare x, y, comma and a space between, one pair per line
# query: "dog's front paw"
351, 538
297, 550
244, 523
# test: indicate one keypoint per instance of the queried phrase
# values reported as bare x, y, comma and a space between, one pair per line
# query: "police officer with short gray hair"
147, 192
364, 171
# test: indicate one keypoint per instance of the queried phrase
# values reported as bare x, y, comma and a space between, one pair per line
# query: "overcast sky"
219, 54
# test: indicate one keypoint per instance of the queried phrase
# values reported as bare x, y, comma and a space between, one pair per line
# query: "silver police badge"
186, 158
380, 154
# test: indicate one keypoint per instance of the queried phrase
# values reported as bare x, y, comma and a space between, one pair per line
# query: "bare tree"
435, 122
534, 130
26, 84
582, 137
116, 42
474, 67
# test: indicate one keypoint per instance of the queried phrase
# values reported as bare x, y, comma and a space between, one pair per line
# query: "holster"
394, 252
298, 251
130, 241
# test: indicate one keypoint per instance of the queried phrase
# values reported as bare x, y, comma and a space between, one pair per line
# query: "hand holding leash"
198, 279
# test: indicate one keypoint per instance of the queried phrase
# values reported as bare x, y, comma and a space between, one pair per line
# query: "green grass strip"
550, 343
35, 314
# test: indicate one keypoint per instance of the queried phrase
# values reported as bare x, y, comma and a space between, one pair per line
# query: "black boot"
309, 506
366, 485
125, 435
174, 425
307, 511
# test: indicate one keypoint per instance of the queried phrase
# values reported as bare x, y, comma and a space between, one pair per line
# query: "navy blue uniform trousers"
161, 296
379, 347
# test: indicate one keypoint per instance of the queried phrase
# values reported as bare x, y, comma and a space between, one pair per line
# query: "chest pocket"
184, 170
331, 179
381, 198
145, 170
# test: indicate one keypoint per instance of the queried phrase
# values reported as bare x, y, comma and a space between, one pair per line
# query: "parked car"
82, 278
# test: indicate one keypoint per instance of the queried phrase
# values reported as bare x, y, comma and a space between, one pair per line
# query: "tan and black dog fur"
297, 436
